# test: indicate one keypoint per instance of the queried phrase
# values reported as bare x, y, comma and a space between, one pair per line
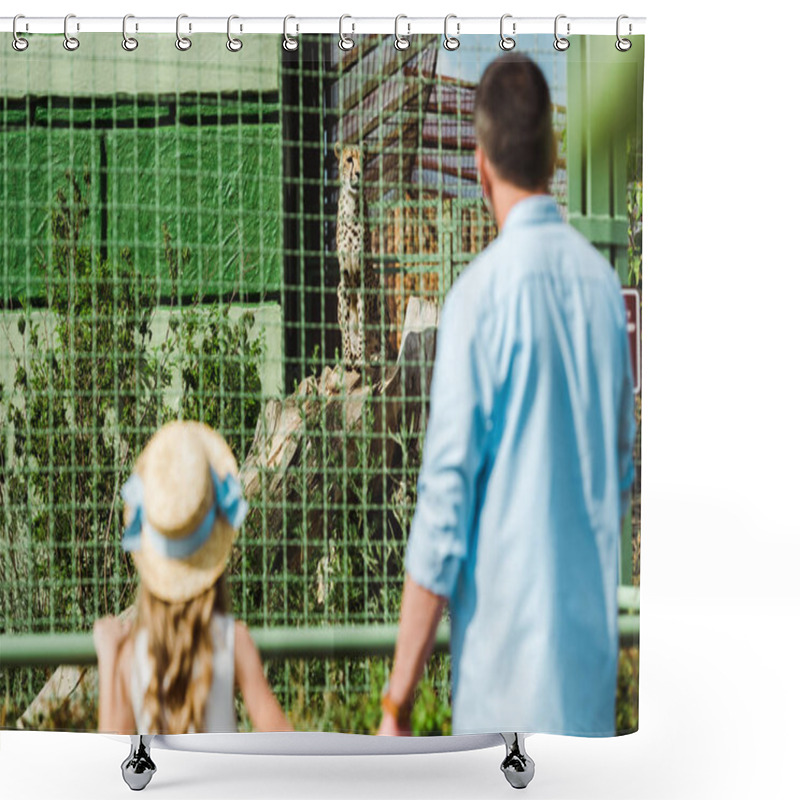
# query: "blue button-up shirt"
526, 474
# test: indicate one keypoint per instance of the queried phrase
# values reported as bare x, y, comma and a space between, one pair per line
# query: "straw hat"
183, 508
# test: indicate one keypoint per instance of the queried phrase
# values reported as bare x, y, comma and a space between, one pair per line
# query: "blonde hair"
180, 650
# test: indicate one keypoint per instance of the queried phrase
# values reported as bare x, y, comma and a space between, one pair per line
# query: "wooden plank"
449, 99
346, 60
375, 78
453, 134
380, 105
457, 164
459, 99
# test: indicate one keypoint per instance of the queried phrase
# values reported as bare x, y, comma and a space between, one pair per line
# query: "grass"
628, 691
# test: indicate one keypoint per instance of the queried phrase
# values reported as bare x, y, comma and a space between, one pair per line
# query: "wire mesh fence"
172, 246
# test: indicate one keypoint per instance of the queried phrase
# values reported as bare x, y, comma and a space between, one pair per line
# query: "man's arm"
453, 455
420, 612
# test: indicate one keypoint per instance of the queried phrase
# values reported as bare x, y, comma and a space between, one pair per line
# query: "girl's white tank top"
220, 716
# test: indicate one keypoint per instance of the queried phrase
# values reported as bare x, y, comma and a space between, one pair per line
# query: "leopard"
359, 284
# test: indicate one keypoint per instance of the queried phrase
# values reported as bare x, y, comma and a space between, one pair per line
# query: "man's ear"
483, 167
337, 150
480, 168
478, 159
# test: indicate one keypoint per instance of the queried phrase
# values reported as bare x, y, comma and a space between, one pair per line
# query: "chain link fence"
169, 249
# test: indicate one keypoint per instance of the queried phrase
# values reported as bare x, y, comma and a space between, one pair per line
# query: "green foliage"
344, 695
342, 517
628, 691
217, 357
634, 204
74, 413
221, 384
90, 387
432, 714
344, 511
89, 390
635, 233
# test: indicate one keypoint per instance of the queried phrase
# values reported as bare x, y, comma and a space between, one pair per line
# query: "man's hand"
391, 727
420, 612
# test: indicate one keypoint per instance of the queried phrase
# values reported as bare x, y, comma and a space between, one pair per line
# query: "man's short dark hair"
514, 121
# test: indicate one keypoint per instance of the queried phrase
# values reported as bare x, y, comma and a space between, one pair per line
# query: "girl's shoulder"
241, 631
244, 647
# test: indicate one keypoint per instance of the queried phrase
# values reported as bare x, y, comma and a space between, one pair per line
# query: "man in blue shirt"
527, 465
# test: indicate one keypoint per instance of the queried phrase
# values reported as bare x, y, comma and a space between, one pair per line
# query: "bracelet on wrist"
400, 712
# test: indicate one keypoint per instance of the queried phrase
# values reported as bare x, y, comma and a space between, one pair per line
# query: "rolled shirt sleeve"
459, 422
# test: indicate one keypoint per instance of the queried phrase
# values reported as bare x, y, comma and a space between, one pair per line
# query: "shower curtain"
263, 237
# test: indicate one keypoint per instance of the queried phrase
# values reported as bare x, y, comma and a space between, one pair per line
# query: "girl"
174, 669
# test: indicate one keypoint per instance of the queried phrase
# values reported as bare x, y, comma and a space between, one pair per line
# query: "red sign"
633, 308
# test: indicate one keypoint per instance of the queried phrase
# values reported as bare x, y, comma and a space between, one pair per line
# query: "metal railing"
52, 649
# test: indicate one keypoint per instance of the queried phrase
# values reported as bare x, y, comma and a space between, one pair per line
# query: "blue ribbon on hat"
228, 501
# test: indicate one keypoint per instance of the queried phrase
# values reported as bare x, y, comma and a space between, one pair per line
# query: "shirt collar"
533, 210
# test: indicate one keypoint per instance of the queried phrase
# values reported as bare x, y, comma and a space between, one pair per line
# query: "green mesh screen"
168, 250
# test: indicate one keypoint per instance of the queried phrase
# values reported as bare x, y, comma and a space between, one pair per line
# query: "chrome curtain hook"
451, 42
129, 43
560, 43
17, 41
623, 45
70, 42
181, 42
345, 42
233, 44
506, 42
289, 43
401, 42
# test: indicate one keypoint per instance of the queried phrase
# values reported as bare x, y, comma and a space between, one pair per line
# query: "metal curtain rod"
352, 25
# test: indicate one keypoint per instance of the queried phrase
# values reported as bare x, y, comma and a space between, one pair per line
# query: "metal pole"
52, 649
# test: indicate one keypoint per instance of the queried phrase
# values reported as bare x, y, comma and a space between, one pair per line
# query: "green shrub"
89, 389
628, 690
